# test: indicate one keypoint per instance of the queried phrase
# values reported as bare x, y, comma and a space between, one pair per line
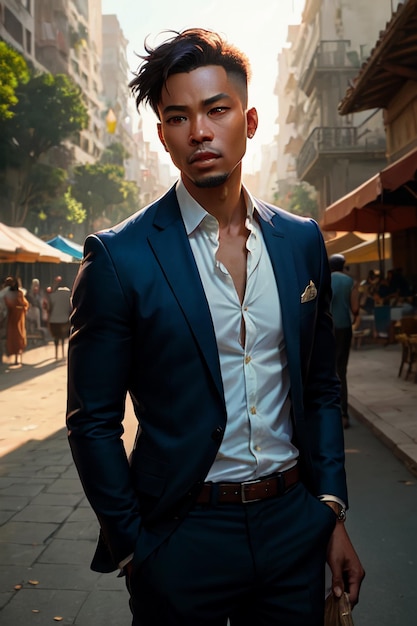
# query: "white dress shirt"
257, 439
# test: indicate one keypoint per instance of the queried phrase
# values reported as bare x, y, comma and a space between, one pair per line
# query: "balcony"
329, 56
337, 142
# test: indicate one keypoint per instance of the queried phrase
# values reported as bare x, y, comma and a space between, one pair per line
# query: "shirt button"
245, 308
253, 410
248, 359
258, 448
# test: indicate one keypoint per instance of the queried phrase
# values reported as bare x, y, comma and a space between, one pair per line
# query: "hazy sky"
258, 27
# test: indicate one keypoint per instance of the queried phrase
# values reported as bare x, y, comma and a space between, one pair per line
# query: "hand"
347, 570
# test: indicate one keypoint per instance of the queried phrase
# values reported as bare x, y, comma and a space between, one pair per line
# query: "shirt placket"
250, 374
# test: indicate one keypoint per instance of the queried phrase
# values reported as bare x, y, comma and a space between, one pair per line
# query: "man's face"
204, 124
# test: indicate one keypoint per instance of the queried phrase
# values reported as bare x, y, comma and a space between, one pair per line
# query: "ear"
252, 122
161, 136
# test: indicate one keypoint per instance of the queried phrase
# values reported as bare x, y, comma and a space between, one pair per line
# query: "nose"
200, 130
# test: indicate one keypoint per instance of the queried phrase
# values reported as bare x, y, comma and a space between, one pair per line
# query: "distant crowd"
32, 314
392, 289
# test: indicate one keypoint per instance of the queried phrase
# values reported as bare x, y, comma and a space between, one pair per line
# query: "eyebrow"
206, 102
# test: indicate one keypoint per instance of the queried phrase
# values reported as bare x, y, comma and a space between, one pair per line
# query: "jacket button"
217, 435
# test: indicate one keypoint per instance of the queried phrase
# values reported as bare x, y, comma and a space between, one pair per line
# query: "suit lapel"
281, 253
170, 245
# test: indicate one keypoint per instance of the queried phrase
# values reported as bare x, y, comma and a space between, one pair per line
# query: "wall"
401, 122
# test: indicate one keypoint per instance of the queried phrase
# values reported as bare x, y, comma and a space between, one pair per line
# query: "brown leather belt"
250, 491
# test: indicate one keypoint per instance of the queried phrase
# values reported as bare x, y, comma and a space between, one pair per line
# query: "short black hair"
337, 262
183, 52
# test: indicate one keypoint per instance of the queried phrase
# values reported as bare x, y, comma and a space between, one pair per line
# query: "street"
48, 533
382, 523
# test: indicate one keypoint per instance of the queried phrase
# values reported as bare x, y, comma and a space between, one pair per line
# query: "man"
344, 309
215, 319
59, 308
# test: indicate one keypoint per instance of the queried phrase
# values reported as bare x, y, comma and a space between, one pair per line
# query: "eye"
175, 120
218, 111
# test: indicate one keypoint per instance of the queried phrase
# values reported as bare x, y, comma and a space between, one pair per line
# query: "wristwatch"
339, 510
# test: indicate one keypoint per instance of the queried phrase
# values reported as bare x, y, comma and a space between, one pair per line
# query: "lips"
203, 155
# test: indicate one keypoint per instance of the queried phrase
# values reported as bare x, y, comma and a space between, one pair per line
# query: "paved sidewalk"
383, 401
47, 530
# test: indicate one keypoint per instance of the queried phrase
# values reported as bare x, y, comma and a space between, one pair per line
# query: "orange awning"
385, 203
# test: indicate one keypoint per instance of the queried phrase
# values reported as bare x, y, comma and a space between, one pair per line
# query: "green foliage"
41, 186
115, 154
13, 72
104, 193
76, 214
130, 202
65, 208
49, 109
299, 200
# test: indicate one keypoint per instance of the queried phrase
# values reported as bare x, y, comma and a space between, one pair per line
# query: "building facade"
388, 80
331, 153
72, 37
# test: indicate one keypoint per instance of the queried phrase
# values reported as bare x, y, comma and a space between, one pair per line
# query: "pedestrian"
367, 290
3, 318
17, 306
211, 309
59, 308
35, 317
345, 309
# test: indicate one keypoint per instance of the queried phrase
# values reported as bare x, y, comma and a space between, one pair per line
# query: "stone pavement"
383, 401
47, 530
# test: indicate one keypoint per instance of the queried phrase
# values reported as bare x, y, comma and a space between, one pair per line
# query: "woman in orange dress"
17, 306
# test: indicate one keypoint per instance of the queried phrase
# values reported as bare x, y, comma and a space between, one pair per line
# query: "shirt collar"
193, 213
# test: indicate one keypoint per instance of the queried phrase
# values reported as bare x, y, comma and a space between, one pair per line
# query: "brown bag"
337, 611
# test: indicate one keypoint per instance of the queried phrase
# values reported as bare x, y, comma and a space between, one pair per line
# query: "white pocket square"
309, 293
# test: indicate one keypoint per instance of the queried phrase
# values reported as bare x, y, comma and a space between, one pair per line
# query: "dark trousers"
343, 342
259, 564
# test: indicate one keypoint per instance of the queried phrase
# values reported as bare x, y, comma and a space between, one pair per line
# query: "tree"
115, 154
59, 214
299, 199
49, 109
75, 214
13, 72
104, 194
302, 201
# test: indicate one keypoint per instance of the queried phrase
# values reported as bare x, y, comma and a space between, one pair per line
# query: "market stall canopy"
66, 245
345, 240
22, 246
369, 251
7, 244
387, 202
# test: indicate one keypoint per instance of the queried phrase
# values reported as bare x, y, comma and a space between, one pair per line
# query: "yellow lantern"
111, 122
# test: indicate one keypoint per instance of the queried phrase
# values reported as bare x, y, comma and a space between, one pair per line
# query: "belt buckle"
242, 491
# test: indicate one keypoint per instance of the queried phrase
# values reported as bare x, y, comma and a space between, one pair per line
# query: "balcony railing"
337, 141
329, 56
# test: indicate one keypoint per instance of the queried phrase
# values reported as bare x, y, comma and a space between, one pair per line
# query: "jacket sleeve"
322, 395
99, 361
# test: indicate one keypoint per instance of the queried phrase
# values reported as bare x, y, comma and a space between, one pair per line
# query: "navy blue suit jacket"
141, 325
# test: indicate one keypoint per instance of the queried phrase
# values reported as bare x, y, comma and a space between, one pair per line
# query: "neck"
226, 202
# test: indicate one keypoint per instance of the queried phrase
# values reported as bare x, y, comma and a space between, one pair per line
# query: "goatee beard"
212, 181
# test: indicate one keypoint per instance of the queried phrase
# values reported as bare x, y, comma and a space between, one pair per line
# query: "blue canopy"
66, 245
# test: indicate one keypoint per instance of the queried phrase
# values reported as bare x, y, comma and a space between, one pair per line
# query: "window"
13, 26
28, 41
